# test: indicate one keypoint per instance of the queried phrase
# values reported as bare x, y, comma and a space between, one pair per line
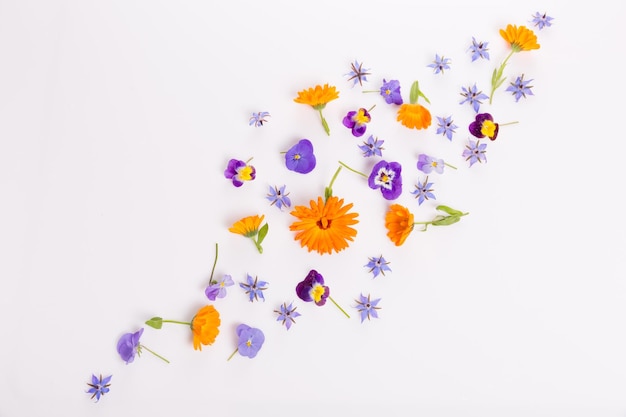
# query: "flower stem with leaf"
453, 216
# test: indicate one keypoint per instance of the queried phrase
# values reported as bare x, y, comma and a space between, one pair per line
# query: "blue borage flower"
475, 152
357, 74
473, 97
387, 176
300, 157
99, 386
378, 265
254, 288
287, 314
446, 127
542, 20
479, 50
440, 64
372, 147
367, 307
423, 191
520, 88
277, 196
257, 119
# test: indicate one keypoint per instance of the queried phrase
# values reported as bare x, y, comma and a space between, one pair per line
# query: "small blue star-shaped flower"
372, 147
440, 64
99, 386
287, 314
479, 50
358, 74
257, 119
473, 97
475, 152
254, 288
278, 197
367, 307
423, 191
378, 266
542, 20
520, 88
446, 126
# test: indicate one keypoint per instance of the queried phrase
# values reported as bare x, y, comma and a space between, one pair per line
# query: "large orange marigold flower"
318, 96
414, 116
399, 222
324, 226
205, 326
520, 38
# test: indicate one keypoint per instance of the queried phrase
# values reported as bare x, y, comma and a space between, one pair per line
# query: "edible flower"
484, 126
239, 172
312, 288
399, 221
257, 119
300, 157
287, 314
317, 98
387, 177
250, 341
250, 227
204, 325
367, 307
414, 115
99, 386
357, 121
128, 345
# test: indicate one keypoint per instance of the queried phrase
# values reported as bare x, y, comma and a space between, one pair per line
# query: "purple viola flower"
99, 386
239, 171
128, 345
475, 152
250, 340
300, 158
218, 289
386, 176
428, 164
312, 288
390, 91
483, 125
357, 121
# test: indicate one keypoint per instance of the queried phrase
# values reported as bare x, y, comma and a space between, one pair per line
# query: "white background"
117, 120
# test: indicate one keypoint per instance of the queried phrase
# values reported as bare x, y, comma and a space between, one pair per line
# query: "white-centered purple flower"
387, 177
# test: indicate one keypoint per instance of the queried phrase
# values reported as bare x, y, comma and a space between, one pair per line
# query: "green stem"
213, 269
371, 108
370, 91
506, 124
154, 353
342, 310
250, 159
232, 354
496, 81
176, 322
353, 170
448, 165
332, 181
324, 123
258, 246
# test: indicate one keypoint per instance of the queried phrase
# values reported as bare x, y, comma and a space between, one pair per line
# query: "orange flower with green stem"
325, 226
414, 115
204, 325
250, 227
520, 39
400, 222
317, 98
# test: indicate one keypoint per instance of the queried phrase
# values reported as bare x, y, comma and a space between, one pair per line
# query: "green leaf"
262, 233
449, 210
415, 92
156, 322
447, 221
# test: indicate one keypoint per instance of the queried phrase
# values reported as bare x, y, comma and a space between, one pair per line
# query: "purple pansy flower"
312, 288
428, 164
390, 91
128, 345
300, 157
239, 171
218, 289
386, 176
250, 340
483, 125
357, 121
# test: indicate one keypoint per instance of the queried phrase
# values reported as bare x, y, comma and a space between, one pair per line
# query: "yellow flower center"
488, 128
384, 177
434, 164
387, 91
360, 117
297, 156
248, 343
245, 173
317, 292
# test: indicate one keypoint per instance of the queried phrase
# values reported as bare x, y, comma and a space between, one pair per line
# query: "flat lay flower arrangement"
323, 222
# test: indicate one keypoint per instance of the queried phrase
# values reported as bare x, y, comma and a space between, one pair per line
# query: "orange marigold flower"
205, 326
317, 97
414, 116
399, 222
520, 38
324, 226
248, 226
